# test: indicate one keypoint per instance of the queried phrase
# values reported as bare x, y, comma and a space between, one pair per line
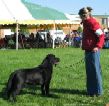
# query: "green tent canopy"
44, 13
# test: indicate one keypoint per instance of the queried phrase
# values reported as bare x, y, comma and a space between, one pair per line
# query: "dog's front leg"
13, 99
43, 89
47, 89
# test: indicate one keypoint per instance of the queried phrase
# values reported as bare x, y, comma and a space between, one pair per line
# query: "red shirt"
90, 39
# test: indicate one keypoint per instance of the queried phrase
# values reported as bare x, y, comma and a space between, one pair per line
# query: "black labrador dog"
39, 75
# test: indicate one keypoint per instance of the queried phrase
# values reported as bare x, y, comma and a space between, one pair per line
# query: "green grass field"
68, 84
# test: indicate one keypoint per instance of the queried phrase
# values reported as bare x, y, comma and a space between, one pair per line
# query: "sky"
100, 7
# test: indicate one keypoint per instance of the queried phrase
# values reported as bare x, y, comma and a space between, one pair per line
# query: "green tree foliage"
80, 29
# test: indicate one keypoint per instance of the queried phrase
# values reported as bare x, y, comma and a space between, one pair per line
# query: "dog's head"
52, 59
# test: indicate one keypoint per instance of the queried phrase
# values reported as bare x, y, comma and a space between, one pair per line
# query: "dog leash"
82, 60
74, 64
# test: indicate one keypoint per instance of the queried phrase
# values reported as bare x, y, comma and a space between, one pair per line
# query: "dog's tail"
10, 83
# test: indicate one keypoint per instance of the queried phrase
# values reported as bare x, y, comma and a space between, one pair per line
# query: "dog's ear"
50, 56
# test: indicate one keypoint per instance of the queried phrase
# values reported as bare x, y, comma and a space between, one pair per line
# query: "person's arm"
95, 26
100, 36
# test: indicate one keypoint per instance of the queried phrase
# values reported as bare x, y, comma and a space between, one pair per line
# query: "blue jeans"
93, 73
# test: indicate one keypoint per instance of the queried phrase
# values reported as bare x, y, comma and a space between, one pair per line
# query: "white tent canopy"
14, 10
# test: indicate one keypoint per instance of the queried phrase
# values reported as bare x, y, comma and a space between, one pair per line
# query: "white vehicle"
57, 33
43, 34
54, 34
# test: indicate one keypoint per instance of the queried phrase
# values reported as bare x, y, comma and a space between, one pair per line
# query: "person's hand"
95, 49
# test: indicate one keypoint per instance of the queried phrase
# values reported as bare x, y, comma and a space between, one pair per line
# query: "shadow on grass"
3, 91
3, 83
3, 94
33, 90
57, 90
69, 91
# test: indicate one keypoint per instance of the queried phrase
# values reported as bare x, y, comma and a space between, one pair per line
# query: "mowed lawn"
68, 84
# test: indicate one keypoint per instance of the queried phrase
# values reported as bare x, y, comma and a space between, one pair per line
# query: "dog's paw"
12, 100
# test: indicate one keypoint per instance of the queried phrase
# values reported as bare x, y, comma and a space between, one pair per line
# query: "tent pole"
17, 34
70, 30
54, 27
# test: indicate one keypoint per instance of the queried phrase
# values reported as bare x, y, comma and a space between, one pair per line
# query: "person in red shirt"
92, 42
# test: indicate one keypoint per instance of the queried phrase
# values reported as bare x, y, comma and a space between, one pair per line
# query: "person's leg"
99, 89
93, 73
